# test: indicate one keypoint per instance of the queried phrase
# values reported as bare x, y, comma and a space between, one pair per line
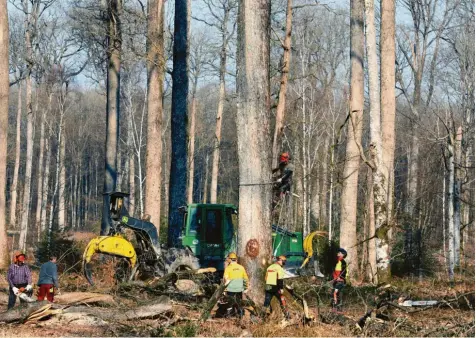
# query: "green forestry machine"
208, 235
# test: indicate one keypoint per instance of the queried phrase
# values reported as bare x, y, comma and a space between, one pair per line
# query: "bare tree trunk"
14, 189
451, 207
132, 185
221, 103
457, 194
253, 128
278, 128
348, 226
316, 200
155, 73
443, 218
46, 188
387, 99
41, 163
205, 182
191, 148
4, 92
179, 160
325, 183
114, 10
29, 133
331, 197
54, 198
61, 166
379, 184
372, 268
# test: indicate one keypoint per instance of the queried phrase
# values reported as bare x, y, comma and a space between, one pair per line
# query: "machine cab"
117, 205
209, 231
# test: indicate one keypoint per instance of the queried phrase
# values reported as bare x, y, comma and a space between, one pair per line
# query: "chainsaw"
22, 295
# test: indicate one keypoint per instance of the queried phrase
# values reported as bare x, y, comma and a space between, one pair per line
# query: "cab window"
214, 231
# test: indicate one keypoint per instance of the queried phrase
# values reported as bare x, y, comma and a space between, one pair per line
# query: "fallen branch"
213, 300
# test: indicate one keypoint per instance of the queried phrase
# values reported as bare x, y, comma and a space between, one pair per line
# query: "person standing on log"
19, 279
339, 280
48, 280
236, 281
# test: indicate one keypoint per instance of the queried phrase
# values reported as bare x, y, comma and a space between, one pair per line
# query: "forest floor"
453, 316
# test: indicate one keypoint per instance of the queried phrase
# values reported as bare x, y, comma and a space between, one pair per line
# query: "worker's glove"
15, 291
279, 180
281, 291
246, 291
29, 287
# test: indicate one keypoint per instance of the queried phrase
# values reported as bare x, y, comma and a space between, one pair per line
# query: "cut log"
72, 298
148, 311
22, 312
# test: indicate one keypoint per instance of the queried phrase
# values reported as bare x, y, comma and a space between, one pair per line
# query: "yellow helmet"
282, 258
232, 255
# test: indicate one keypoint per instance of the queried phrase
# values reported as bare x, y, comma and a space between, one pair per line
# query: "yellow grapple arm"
307, 245
113, 245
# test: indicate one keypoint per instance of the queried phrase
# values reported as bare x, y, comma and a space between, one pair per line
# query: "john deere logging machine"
208, 236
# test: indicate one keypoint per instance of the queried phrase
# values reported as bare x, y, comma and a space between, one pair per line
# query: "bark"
279, 125
221, 103
14, 188
46, 188
205, 182
253, 128
325, 184
132, 185
316, 201
61, 165
41, 164
112, 107
155, 89
179, 160
54, 197
191, 147
457, 194
451, 200
387, 98
348, 226
372, 268
4, 92
29, 127
379, 184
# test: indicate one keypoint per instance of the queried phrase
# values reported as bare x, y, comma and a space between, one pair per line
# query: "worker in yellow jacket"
275, 285
236, 280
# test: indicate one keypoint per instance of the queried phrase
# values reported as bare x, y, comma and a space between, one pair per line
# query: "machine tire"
177, 259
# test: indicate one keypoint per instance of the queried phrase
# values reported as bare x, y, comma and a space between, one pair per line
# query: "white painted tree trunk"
14, 188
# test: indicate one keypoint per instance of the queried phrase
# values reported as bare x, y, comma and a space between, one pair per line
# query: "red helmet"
284, 158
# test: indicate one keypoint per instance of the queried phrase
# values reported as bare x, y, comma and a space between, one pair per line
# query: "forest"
191, 103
